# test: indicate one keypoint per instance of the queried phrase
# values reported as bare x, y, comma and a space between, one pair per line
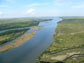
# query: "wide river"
32, 49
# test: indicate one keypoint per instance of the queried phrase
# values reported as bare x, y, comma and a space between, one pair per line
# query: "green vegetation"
10, 35
6, 24
17, 23
20, 22
69, 43
41, 20
16, 43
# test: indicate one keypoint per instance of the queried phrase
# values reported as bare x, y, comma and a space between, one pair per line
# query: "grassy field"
19, 41
17, 23
68, 46
10, 35
20, 22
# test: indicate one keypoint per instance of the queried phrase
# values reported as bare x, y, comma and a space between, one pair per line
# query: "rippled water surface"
31, 50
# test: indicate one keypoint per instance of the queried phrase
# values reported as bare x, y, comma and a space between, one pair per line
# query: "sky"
38, 8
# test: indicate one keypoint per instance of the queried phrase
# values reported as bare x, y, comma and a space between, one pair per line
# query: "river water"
32, 49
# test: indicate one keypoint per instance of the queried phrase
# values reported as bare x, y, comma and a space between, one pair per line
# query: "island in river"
19, 41
30, 50
15, 31
68, 45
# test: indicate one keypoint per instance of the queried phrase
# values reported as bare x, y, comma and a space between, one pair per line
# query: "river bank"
20, 41
11, 29
31, 49
8, 36
68, 43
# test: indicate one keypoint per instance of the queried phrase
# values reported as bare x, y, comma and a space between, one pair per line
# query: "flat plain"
68, 45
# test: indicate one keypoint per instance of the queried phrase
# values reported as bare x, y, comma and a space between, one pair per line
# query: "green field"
20, 22
68, 46
17, 23
10, 35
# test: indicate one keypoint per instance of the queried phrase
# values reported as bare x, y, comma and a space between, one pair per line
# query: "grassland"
7, 24
17, 23
68, 46
19, 41
10, 35
20, 22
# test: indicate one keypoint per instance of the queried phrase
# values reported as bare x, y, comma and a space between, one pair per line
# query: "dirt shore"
20, 41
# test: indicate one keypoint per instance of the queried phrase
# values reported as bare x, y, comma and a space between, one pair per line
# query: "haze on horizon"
35, 8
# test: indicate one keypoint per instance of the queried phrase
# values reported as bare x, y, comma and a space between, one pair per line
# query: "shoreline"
19, 41
63, 49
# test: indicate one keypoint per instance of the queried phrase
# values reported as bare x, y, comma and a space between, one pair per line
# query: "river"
32, 49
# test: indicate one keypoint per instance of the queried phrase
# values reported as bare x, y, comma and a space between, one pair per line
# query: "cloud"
37, 4
62, 2
78, 6
3, 5
33, 4
1, 13
9, 1
30, 11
